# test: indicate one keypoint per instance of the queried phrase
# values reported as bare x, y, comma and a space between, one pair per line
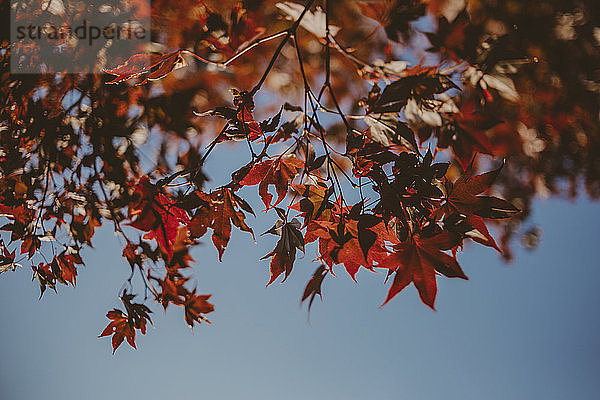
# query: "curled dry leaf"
150, 67
313, 286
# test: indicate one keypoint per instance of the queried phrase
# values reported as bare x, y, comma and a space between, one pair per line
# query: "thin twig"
238, 54
291, 31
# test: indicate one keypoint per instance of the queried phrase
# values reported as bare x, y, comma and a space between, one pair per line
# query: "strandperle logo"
76, 36
86, 32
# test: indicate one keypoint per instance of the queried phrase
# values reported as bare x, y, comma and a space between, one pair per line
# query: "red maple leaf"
123, 325
339, 244
173, 289
253, 128
277, 172
120, 328
464, 198
155, 213
316, 203
417, 261
66, 263
245, 105
196, 305
218, 212
243, 30
22, 213
31, 244
240, 120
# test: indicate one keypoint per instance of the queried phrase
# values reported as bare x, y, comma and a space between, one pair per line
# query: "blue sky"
527, 330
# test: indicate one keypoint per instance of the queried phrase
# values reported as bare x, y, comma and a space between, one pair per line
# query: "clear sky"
528, 330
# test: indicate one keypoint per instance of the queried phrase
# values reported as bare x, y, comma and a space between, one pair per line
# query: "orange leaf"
278, 172
220, 211
340, 245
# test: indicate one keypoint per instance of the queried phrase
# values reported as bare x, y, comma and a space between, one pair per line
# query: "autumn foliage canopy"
379, 135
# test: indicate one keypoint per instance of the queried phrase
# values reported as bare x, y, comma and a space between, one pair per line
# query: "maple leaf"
463, 196
313, 287
480, 233
315, 200
22, 214
66, 270
245, 105
61, 269
240, 120
218, 213
137, 312
173, 289
288, 128
417, 261
221, 223
284, 254
83, 230
155, 213
241, 32
123, 325
149, 66
277, 172
463, 199
43, 273
130, 253
368, 153
120, 328
366, 237
339, 244
30, 245
271, 124
196, 305
416, 184
7, 258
